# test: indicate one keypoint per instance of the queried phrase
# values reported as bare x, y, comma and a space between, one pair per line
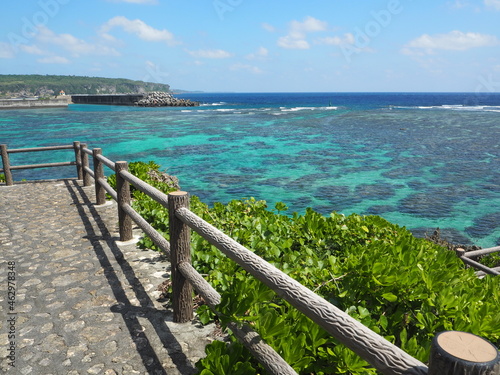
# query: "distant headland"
31, 85
36, 91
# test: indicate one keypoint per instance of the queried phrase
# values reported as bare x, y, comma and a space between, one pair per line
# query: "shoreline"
34, 103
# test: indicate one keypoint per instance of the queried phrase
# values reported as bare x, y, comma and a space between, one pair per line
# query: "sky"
260, 46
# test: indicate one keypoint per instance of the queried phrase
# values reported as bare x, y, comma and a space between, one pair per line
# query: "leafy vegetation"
43, 84
490, 260
403, 288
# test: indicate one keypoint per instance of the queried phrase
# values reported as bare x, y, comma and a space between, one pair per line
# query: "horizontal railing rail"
8, 168
475, 253
376, 350
482, 273
43, 165
35, 149
465, 257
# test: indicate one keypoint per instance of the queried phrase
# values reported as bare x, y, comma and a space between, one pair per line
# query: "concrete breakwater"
153, 99
114, 99
33, 103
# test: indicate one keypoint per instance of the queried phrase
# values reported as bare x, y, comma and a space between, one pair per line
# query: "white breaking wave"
273, 110
213, 104
294, 109
453, 107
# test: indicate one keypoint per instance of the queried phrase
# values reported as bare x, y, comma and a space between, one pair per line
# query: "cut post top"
178, 192
467, 346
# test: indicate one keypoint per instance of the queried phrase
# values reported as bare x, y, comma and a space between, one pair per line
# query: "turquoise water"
420, 160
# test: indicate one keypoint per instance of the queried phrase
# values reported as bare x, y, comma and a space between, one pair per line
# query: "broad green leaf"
390, 297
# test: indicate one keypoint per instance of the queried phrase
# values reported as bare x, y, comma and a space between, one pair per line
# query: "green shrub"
403, 288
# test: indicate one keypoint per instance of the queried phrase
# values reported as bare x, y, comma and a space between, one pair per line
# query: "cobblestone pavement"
84, 303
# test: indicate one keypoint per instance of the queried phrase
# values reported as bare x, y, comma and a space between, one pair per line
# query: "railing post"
78, 160
180, 251
100, 193
123, 193
462, 353
6, 166
85, 164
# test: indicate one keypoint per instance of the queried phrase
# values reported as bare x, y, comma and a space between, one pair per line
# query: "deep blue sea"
420, 160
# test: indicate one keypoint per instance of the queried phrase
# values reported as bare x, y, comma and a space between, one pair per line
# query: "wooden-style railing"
387, 358
483, 270
7, 168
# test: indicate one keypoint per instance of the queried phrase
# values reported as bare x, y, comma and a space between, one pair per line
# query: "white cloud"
74, 45
141, 29
458, 4
6, 51
290, 42
348, 38
32, 50
297, 33
454, 41
250, 68
261, 53
53, 60
268, 27
310, 24
495, 4
210, 54
108, 38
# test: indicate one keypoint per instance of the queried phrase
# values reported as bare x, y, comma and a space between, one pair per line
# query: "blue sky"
260, 46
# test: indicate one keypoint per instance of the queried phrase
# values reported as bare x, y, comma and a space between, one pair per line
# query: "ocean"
420, 160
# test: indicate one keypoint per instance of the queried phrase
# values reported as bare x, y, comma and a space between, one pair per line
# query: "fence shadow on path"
129, 312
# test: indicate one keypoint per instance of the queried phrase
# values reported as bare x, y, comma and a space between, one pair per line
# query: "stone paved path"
84, 303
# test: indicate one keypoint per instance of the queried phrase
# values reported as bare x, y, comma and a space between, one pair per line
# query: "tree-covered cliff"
12, 85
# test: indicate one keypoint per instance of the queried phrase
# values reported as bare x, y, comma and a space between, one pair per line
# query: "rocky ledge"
163, 99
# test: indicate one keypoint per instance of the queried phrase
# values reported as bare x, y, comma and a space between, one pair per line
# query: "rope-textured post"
123, 195
78, 160
6, 165
85, 164
180, 251
100, 193
462, 353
